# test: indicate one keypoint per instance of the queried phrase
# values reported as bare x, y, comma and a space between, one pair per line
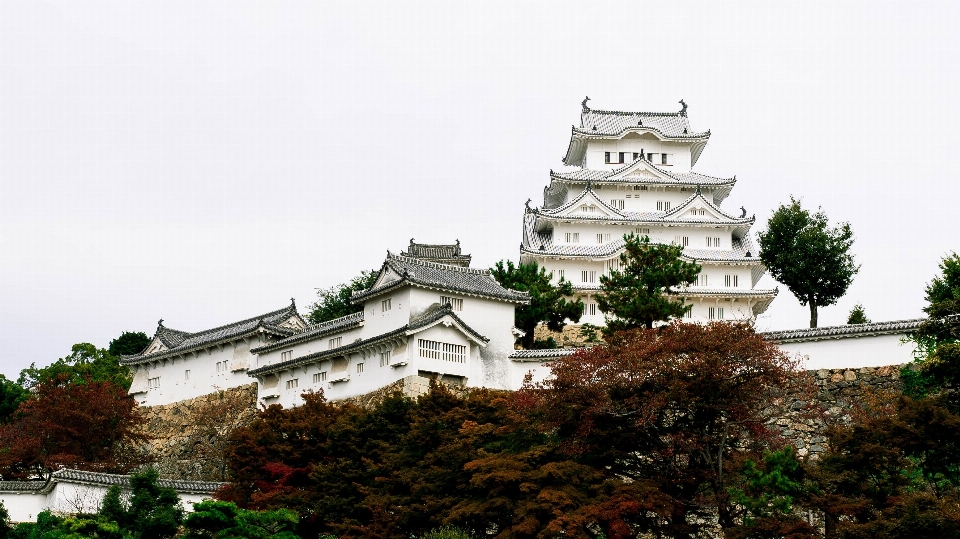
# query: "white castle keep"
634, 175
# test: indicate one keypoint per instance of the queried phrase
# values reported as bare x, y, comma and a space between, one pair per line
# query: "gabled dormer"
586, 205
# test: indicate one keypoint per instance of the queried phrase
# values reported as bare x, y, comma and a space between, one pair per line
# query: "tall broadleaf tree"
801, 250
549, 302
334, 302
641, 292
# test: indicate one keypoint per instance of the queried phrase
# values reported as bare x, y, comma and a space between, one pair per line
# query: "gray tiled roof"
845, 331
106, 479
681, 178
425, 320
612, 122
726, 292
181, 341
23, 486
533, 240
443, 254
315, 331
470, 281
542, 355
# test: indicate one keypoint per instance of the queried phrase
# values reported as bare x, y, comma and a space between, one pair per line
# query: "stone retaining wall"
187, 438
803, 419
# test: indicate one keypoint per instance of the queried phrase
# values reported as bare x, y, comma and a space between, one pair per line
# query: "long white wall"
678, 152
205, 371
851, 352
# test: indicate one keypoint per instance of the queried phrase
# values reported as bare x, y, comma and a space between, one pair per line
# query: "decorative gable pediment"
387, 275
293, 322
156, 345
641, 169
588, 205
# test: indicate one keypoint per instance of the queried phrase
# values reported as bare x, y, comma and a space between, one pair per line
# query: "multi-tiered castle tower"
635, 176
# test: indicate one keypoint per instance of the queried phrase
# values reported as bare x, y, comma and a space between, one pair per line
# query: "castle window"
386, 305
588, 276
640, 188
650, 157
613, 265
711, 313
286, 356
617, 203
455, 353
359, 368
682, 240
153, 383
689, 312
222, 366
456, 303
635, 156
384, 359
606, 157
622, 154
559, 274
663, 205
701, 279
603, 238
589, 309
573, 237
186, 374
319, 377
335, 342
730, 280
643, 231
293, 384
665, 159
713, 242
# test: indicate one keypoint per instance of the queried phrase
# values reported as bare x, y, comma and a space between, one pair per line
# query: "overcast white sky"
204, 162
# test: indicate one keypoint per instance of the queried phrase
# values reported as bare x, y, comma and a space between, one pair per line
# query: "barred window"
319, 377
455, 303
386, 305
335, 342
153, 383
384, 359
292, 384
286, 356
456, 353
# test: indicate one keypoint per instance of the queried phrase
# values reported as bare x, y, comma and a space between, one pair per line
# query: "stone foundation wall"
803, 418
187, 438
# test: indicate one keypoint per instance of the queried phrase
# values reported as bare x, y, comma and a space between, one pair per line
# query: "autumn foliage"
645, 434
84, 424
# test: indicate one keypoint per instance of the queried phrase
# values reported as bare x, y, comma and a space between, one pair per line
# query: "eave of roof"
844, 331
221, 334
106, 479
316, 331
542, 355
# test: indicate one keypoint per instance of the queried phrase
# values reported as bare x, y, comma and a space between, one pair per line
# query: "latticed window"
153, 383
455, 303
335, 342
384, 359
319, 377
456, 353
293, 384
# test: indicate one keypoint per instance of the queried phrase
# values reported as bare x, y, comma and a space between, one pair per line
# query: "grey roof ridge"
661, 221
415, 324
742, 292
349, 321
843, 331
690, 136
101, 478
610, 173
542, 353
678, 114
139, 358
363, 295
617, 244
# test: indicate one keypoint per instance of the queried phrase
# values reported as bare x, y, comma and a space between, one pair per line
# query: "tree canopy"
857, 315
128, 343
79, 423
639, 294
936, 340
549, 302
675, 408
85, 362
334, 302
801, 250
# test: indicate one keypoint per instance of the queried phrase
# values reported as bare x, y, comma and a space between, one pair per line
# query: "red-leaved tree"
678, 407
83, 424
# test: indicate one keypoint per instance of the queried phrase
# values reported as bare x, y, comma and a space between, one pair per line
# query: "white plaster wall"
312, 346
851, 352
538, 370
633, 143
68, 497
377, 322
491, 318
203, 378
23, 507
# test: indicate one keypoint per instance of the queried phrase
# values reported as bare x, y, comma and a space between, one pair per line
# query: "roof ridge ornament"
698, 190
527, 205
584, 104
744, 210
683, 111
